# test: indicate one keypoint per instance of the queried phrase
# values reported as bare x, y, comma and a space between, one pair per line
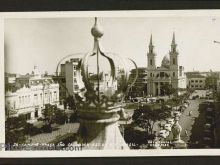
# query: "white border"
95, 153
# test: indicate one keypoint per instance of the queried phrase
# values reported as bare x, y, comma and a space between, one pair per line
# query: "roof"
195, 76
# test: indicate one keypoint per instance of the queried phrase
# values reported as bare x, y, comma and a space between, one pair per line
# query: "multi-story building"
170, 72
68, 78
140, 86
196, 81
30, 95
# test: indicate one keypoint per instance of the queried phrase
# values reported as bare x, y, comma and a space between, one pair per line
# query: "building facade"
196, 81
140, 86
170, 72
30, 96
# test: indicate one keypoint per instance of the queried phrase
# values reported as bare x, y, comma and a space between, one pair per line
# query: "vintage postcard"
119, 83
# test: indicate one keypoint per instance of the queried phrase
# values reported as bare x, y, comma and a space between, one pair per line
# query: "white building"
196, 81
107, 85
31, 94
69, 71
170, 72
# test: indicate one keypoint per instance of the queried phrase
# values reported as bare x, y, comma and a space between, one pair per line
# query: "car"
185, 105
163, 133
176, 113
151, 100
187, 102
167, 127
170, 121
209, 119
207, 126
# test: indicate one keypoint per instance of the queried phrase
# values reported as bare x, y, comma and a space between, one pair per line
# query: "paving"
60, 130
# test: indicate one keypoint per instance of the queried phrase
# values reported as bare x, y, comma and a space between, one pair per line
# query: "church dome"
166, 61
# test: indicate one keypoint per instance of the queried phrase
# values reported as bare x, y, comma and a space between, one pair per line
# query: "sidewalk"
48, 137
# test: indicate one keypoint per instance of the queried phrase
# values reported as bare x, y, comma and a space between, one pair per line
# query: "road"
186, 121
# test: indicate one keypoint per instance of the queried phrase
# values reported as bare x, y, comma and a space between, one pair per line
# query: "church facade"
170, 72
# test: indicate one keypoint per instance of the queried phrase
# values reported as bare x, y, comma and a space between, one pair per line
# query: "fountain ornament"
102, 97
101, 94
178, 143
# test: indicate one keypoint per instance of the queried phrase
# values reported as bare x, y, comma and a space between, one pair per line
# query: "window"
35, 98
36, 113
196, 81
200, 80
22, 99
75, 81
150, 74
174, 61
55, 95
196, 86
200, 86
192, 80
173, 74
76, 87
45, 97
151, 62
192, 86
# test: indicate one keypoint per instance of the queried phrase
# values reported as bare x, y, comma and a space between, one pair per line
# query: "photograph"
144, 82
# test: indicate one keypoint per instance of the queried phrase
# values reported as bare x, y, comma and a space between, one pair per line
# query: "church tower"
174, 63
173, 54
151, 67
151, 56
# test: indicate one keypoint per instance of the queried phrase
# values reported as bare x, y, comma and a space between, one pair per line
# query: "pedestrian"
186, 132
190, 113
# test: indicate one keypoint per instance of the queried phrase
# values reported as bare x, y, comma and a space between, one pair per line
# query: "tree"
71, 102
146, 116
60, 117
14, 131
48, 114
16, 122
167, 89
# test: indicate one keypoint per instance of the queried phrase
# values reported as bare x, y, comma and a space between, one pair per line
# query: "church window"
151, 62
174, 61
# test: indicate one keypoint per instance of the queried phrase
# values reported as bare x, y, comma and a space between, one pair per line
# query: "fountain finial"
97, 30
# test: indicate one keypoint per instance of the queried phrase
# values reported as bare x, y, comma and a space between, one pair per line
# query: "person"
190, 113
186, 132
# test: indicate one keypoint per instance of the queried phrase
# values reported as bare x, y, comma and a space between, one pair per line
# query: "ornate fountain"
100, 101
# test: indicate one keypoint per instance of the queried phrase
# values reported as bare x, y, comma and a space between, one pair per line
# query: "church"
170, 72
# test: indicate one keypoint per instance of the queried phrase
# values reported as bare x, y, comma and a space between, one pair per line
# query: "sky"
44, 41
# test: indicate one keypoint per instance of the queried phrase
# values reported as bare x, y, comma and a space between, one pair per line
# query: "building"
30, 95
140, 86
107, 85
218, 85
170, 72
202, 80
68, 78
196, 81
